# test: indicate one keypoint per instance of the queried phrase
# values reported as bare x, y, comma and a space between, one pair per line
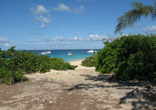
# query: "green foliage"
60, 64
13, 64
90, 61
130, 57
107, 57
10, 77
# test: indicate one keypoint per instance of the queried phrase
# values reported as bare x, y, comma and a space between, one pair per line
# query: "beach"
79, 89
76, 62
77, 55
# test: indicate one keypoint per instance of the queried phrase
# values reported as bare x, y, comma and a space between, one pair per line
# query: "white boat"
44, 53
48, 52
91, 51
69, 53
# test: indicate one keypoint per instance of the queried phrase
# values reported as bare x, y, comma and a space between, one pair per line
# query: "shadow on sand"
149, 97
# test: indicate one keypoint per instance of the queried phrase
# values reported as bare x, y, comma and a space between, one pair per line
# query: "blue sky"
64, 24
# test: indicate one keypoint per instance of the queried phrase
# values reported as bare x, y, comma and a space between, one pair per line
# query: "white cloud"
7, 45
117, 37
96, 37
62, 7
43, 19
76, 39
149, 29
39, 9
41, 14
57, 38
3, 40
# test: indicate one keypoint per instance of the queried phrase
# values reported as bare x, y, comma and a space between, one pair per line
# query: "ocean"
77, 54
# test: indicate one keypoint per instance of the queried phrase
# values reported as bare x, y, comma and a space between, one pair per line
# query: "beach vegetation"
107, 57
14, 64
60, 64
129, 57
90, 61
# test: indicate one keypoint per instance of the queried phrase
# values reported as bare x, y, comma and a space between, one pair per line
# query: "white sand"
76, 62
85, 78
93, 91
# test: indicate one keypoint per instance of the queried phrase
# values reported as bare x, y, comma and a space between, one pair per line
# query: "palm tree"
130, 17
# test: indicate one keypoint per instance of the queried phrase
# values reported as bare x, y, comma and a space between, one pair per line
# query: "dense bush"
10, 77
107, 57
130, 57
13, 64
90, 61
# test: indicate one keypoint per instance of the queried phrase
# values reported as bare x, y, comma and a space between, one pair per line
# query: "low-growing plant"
10, 77
14, 63
60, 64
90, 61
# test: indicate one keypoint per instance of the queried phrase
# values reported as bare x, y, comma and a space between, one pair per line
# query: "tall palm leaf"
130, 17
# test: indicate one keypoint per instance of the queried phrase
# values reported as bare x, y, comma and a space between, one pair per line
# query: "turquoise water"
76, 54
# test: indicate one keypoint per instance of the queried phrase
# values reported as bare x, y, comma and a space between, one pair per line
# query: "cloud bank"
149, 29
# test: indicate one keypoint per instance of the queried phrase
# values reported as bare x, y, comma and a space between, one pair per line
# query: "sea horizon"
55, 49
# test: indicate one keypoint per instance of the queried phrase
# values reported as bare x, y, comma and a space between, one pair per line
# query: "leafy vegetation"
107, 58
130, 57
60, 64
13, 64
90, 61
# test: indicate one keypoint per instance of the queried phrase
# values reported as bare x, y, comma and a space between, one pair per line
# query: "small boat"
69, 53
44, 53
48, 52
91, 51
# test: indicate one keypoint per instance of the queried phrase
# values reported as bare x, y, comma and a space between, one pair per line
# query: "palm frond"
132, 16
137, 5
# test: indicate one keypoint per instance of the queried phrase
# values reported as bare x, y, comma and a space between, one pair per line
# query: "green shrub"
106, 61
13, 64
10, 77
43, 63
90, 61
130, 57
60, 64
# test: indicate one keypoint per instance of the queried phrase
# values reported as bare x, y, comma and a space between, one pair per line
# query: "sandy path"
79, 89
